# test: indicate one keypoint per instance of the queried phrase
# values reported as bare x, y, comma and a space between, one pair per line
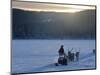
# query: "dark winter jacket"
61, 51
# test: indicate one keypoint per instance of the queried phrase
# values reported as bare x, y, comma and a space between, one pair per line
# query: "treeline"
53, 25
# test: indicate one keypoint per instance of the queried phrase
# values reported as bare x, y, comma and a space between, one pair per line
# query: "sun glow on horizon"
41, 10
45, 7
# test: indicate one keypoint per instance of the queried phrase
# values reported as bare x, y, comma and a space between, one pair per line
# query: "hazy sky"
31, 6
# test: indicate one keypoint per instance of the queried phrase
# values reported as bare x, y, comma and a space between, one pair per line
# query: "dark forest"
53, 25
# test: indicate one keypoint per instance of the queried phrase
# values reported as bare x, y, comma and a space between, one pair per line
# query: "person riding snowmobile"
62, 56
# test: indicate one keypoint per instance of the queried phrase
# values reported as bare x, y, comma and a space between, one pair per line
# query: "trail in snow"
83, 63
71, 65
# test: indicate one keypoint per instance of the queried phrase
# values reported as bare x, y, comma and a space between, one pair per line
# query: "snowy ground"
39, 55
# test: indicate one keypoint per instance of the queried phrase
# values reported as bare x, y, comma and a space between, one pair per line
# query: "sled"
62, 60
